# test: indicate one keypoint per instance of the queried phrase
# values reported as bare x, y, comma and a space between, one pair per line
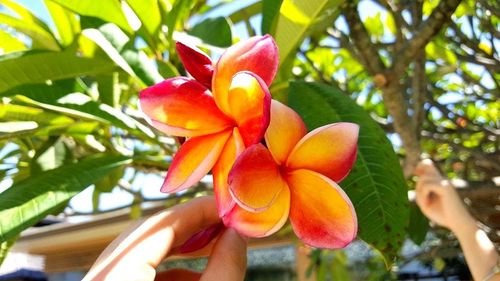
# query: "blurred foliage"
69, 84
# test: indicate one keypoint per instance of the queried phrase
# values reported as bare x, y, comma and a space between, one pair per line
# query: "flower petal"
329, 150
255, 180
193, 161
197, 63
249, 103
259, 55
183, 107
260, 224
284, 132
232, 149
321, 213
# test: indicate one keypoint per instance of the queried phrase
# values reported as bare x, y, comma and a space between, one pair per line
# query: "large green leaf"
25, 14
119, 48
98, 38
270, 12
5, 247
109, 89
107, 10
376, 184
176, 15
26, 202
205, 31
13, 112
148, 11
78, 105
42, 39
65, 21
10, 43
142, 66
419, 225
39, 67
51, 155
245, 13
294, 20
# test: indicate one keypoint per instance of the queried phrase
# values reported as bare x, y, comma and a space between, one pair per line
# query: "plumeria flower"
224, 109
295, 176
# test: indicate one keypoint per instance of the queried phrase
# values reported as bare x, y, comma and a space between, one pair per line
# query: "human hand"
438, 199
136, 253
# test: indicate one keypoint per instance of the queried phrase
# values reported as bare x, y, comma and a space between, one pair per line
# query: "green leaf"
295, 18
98, 38
24, 14
419, 225
270, 12
122, 51
107, 183
96, 199
65, 21
39, 67
15, 112
42, 39
390, 23
28, 201
429, 6
53, 154
180, 10
107, 10
5, 247
205, 31
376, 184
135, 211
435, 50
167, 69
79, 105
10, 43
109, 89
340, 264
246, 12
375, 26
148, 11
142, 66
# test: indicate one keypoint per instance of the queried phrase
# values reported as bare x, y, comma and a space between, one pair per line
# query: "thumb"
228, 260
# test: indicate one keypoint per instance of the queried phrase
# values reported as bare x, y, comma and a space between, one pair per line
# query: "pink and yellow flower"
295, 176
225, 112
224, 109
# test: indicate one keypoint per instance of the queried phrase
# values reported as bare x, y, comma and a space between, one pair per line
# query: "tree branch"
419, 81
427, 30
346, 44
361, 39
394, 101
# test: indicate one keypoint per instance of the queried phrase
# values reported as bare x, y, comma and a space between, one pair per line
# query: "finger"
178, 275
426, 168
149, 242
229, 257
422, 194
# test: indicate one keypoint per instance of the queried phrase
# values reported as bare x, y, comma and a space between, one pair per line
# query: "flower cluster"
226, 112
